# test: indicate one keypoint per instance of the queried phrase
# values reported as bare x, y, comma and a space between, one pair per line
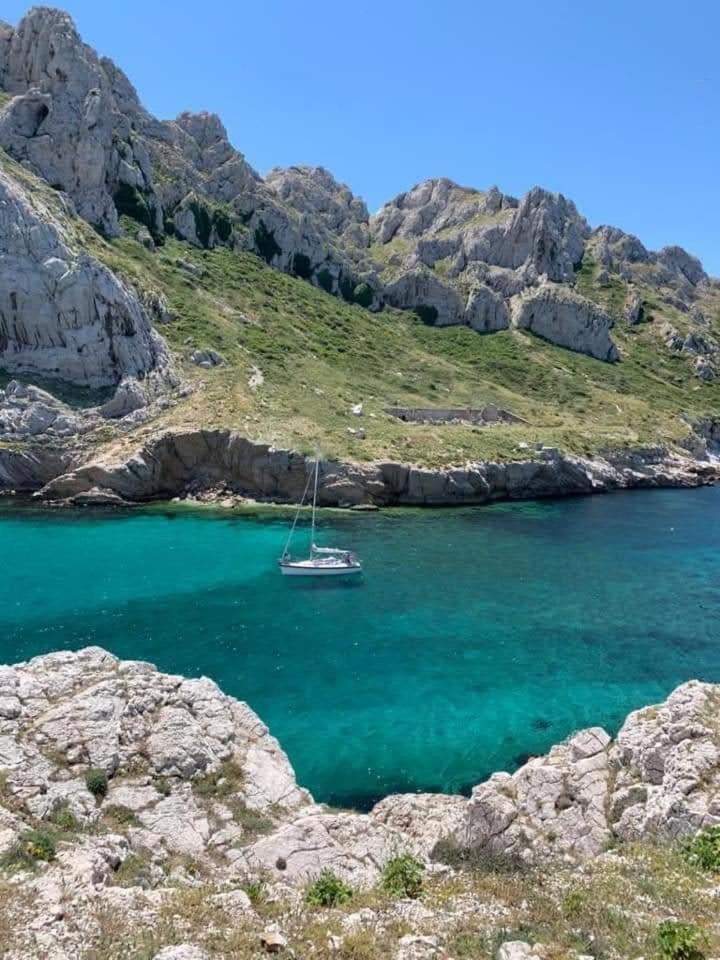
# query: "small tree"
97, 782
328, 890
703, 850
679, 941
402, 876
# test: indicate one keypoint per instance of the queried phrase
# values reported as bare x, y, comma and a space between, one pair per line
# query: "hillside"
448, 298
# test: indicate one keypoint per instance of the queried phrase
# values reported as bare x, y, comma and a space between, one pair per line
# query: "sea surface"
475, 638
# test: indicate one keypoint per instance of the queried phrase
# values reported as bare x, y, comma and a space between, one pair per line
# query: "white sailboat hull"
323, 561
314, 568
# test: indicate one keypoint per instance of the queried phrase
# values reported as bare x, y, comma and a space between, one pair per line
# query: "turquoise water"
477, 636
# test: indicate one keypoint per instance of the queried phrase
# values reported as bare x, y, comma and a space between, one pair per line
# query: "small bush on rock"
265, 243
325, 280
363, 294
328, 891
679, 941
427, 313
402, 876
62, 817
32, 847
223, 225
97, 782
703, 850
119, 815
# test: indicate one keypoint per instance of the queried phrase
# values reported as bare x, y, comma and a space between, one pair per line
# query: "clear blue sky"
615, 104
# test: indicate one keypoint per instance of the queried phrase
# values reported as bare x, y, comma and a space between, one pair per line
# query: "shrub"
32, 847
223, 225
265, 243
253, 822
203, 223
97, 782
347, 287
703, 850
130, 202
135, 871
426, 313
255, 890
679, 941
363, 295
223, 782
325, 280
301, 266
402, 876
328, 890
62, 817
120, 815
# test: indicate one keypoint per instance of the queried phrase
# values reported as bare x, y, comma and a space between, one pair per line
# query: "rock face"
666, 761
173, 462
659, 780
554, 804
27, 412
72, 118
190, 792
452, 254
564, 318
91, 710
62, 313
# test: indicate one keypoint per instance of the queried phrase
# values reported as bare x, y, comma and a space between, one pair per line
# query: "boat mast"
312, 534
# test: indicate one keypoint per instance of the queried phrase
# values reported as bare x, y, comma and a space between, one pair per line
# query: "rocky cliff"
178, 463
125, 790
146, 259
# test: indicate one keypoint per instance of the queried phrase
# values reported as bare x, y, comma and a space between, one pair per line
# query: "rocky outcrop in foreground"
147, 783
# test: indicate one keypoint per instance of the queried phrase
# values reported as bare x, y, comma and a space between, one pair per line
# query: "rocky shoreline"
175, 464
121, 787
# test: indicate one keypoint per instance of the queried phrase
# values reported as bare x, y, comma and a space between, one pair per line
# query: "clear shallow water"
477, 636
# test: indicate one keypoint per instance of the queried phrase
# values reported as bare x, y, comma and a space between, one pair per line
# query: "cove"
476, 637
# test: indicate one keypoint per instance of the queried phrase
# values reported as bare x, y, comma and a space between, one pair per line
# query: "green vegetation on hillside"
319, 355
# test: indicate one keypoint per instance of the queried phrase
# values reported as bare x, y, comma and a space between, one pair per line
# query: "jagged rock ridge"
453, 254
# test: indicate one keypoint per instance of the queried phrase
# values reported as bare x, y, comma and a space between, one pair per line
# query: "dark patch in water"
541, 723
520, 759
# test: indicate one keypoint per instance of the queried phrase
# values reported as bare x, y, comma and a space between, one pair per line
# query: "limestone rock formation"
27, 412
428, 818
72, 118
439, 303
315, 193
666, 762
554, 804
564, 318
169, 464
62, 313
453, 254
659, 780
150, 784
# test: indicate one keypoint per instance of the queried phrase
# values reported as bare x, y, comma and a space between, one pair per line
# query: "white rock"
183, 951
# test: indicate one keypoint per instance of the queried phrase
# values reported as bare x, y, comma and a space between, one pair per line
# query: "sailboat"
322, 561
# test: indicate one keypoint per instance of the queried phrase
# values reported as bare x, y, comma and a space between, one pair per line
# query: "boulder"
207, 359
553, 805
566, 319
355, 847
427, 818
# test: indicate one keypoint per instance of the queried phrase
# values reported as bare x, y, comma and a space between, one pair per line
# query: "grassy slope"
319, 355
608, 908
